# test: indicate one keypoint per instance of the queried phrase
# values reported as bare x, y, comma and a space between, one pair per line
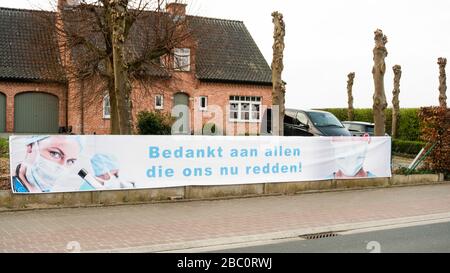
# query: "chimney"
68, 4
176, 9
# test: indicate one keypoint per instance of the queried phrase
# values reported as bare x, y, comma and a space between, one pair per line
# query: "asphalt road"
421, 239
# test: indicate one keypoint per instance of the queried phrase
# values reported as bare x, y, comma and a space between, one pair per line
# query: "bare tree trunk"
442, 82
395, 101
114, 120
351, 77
379, 68
122, 86
278, 86
114, 112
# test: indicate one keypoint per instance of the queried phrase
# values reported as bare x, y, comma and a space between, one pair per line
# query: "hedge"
4, 147
409, 122
435, 123
407, 146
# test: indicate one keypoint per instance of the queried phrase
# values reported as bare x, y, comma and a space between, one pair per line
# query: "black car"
359, 128
307, 123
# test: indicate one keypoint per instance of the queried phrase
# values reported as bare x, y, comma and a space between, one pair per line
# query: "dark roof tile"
226, 51
28, 48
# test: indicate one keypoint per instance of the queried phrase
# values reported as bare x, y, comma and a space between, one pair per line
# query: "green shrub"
209, 129
4, 147
407, 146
409, 123
154, 123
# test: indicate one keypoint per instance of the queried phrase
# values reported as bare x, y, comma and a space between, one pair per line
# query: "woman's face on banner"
58, 149
350, 155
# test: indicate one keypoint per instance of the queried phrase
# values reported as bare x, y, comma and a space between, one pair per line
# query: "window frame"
200, 103
179, 54
106, 103
239, 100
162, 102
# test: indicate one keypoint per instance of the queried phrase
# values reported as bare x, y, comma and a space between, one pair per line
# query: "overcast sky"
327, 39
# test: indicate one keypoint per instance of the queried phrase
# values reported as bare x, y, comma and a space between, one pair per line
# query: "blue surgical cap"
103, 163
36, 138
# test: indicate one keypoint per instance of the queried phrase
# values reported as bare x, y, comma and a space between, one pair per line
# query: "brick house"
224, 72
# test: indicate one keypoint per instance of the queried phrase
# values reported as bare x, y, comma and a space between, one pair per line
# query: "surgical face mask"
350, 157
44, 173
112, 183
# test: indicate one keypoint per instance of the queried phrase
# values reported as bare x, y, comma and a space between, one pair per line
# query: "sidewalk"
156, 227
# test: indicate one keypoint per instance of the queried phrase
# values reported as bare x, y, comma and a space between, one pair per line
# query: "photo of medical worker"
63, 163
106, 170
47, 163
81, 163
350, 154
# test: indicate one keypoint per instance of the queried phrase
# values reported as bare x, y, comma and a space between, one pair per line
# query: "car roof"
306, 110
358, 122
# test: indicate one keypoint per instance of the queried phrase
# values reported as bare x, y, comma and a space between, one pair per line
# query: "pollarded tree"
442, 62
351, 77
278, 85
395, 101
378, 70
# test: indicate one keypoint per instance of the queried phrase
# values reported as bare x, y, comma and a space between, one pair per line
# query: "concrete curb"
233, 242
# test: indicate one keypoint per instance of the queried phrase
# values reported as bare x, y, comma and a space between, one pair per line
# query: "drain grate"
318, 235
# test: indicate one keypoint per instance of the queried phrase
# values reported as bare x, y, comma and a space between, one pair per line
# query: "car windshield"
322, 119
369, 129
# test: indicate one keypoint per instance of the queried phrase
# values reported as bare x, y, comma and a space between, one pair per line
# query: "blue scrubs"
18, 185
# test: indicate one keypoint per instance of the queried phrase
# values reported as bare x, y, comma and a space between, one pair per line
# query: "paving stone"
105, 228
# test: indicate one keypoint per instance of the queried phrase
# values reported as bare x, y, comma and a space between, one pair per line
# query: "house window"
182, 59
159, 102
203, 103
106, 107
245, 108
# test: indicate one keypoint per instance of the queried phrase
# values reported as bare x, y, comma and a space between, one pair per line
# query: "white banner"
70, 163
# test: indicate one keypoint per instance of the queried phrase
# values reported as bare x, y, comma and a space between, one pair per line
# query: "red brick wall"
87, 117
144, 99
85, 109
219, 94
11, 89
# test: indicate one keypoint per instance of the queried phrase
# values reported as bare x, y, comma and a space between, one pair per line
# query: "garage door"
2, 112
36, 113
